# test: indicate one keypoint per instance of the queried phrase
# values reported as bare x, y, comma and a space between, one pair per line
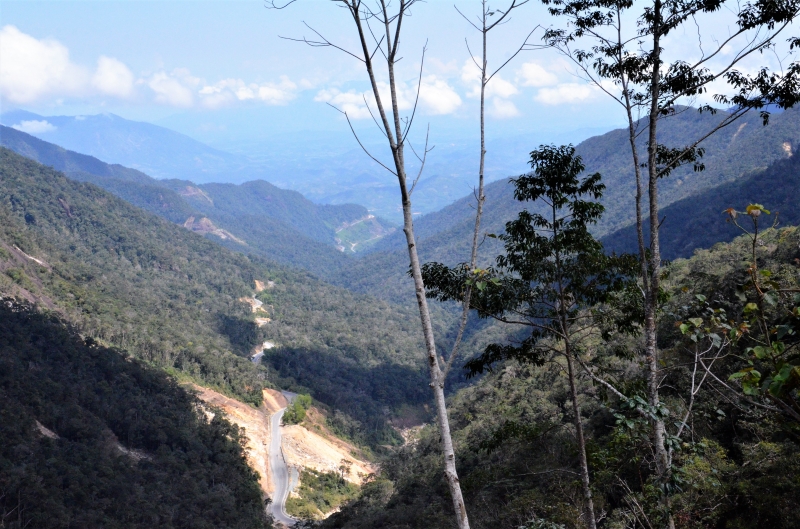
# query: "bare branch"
355, 135
416, 99
323, 43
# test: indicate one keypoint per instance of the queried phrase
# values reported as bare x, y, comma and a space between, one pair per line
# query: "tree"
388, 19
344, 468
485, 24
620, 47
395, 128
553, 271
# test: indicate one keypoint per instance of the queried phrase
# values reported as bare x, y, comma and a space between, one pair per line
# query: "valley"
284, 334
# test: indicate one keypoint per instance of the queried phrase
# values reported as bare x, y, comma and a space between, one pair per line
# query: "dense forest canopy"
91, 437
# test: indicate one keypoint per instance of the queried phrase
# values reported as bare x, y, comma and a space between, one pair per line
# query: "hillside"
516, 444
278, 224
699, 222
173, 299
91, 437
732, 154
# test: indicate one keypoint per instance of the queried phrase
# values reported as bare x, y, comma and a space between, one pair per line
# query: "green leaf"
772, 297
700, 297
783, 330
696, 321
761, 352
750, 307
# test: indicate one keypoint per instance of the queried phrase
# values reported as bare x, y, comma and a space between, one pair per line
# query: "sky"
221, 72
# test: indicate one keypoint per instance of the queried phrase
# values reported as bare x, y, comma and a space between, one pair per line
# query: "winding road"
277, 464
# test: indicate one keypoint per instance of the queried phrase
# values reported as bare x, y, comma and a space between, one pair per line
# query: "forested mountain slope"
90, 437
262, 219
733, 153
173, 299
516, 446
698, 221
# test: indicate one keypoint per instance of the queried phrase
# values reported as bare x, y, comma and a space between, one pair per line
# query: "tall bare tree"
379, 26
488, 20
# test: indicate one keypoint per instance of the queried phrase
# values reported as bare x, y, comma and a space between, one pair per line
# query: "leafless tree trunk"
484, 25
389, 24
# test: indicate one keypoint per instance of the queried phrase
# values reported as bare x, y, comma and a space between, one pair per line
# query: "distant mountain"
328, 167
732, 154
255, 217
159, 152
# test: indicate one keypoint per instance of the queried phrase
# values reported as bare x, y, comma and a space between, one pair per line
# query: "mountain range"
144, 278
254, 217
328, 167
734, 159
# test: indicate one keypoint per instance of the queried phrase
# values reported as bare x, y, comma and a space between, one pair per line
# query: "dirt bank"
256, 425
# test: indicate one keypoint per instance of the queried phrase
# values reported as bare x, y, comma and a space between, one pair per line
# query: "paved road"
280, 474
256, 358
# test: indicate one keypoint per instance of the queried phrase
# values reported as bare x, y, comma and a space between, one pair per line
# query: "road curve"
277, 465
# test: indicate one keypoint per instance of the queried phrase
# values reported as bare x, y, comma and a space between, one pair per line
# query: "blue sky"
220, 71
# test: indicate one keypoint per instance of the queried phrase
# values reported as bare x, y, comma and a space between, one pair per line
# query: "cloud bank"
35, 70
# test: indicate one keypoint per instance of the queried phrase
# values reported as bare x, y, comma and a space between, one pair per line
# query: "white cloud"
499, 87
31, 69
229, 91
532, 74
174, 89
496, 87
566, 93
470, 72
352, 102
34, 127
113, 78
503, 109
437, 96
355, 103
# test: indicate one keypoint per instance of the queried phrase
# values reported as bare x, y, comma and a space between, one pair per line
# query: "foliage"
90, 437
765, 334
319, 493
552, 269
735, 467
296, 412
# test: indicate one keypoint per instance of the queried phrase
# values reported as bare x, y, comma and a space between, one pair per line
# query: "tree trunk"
651, 299
394, 135
437, 381
591, 522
